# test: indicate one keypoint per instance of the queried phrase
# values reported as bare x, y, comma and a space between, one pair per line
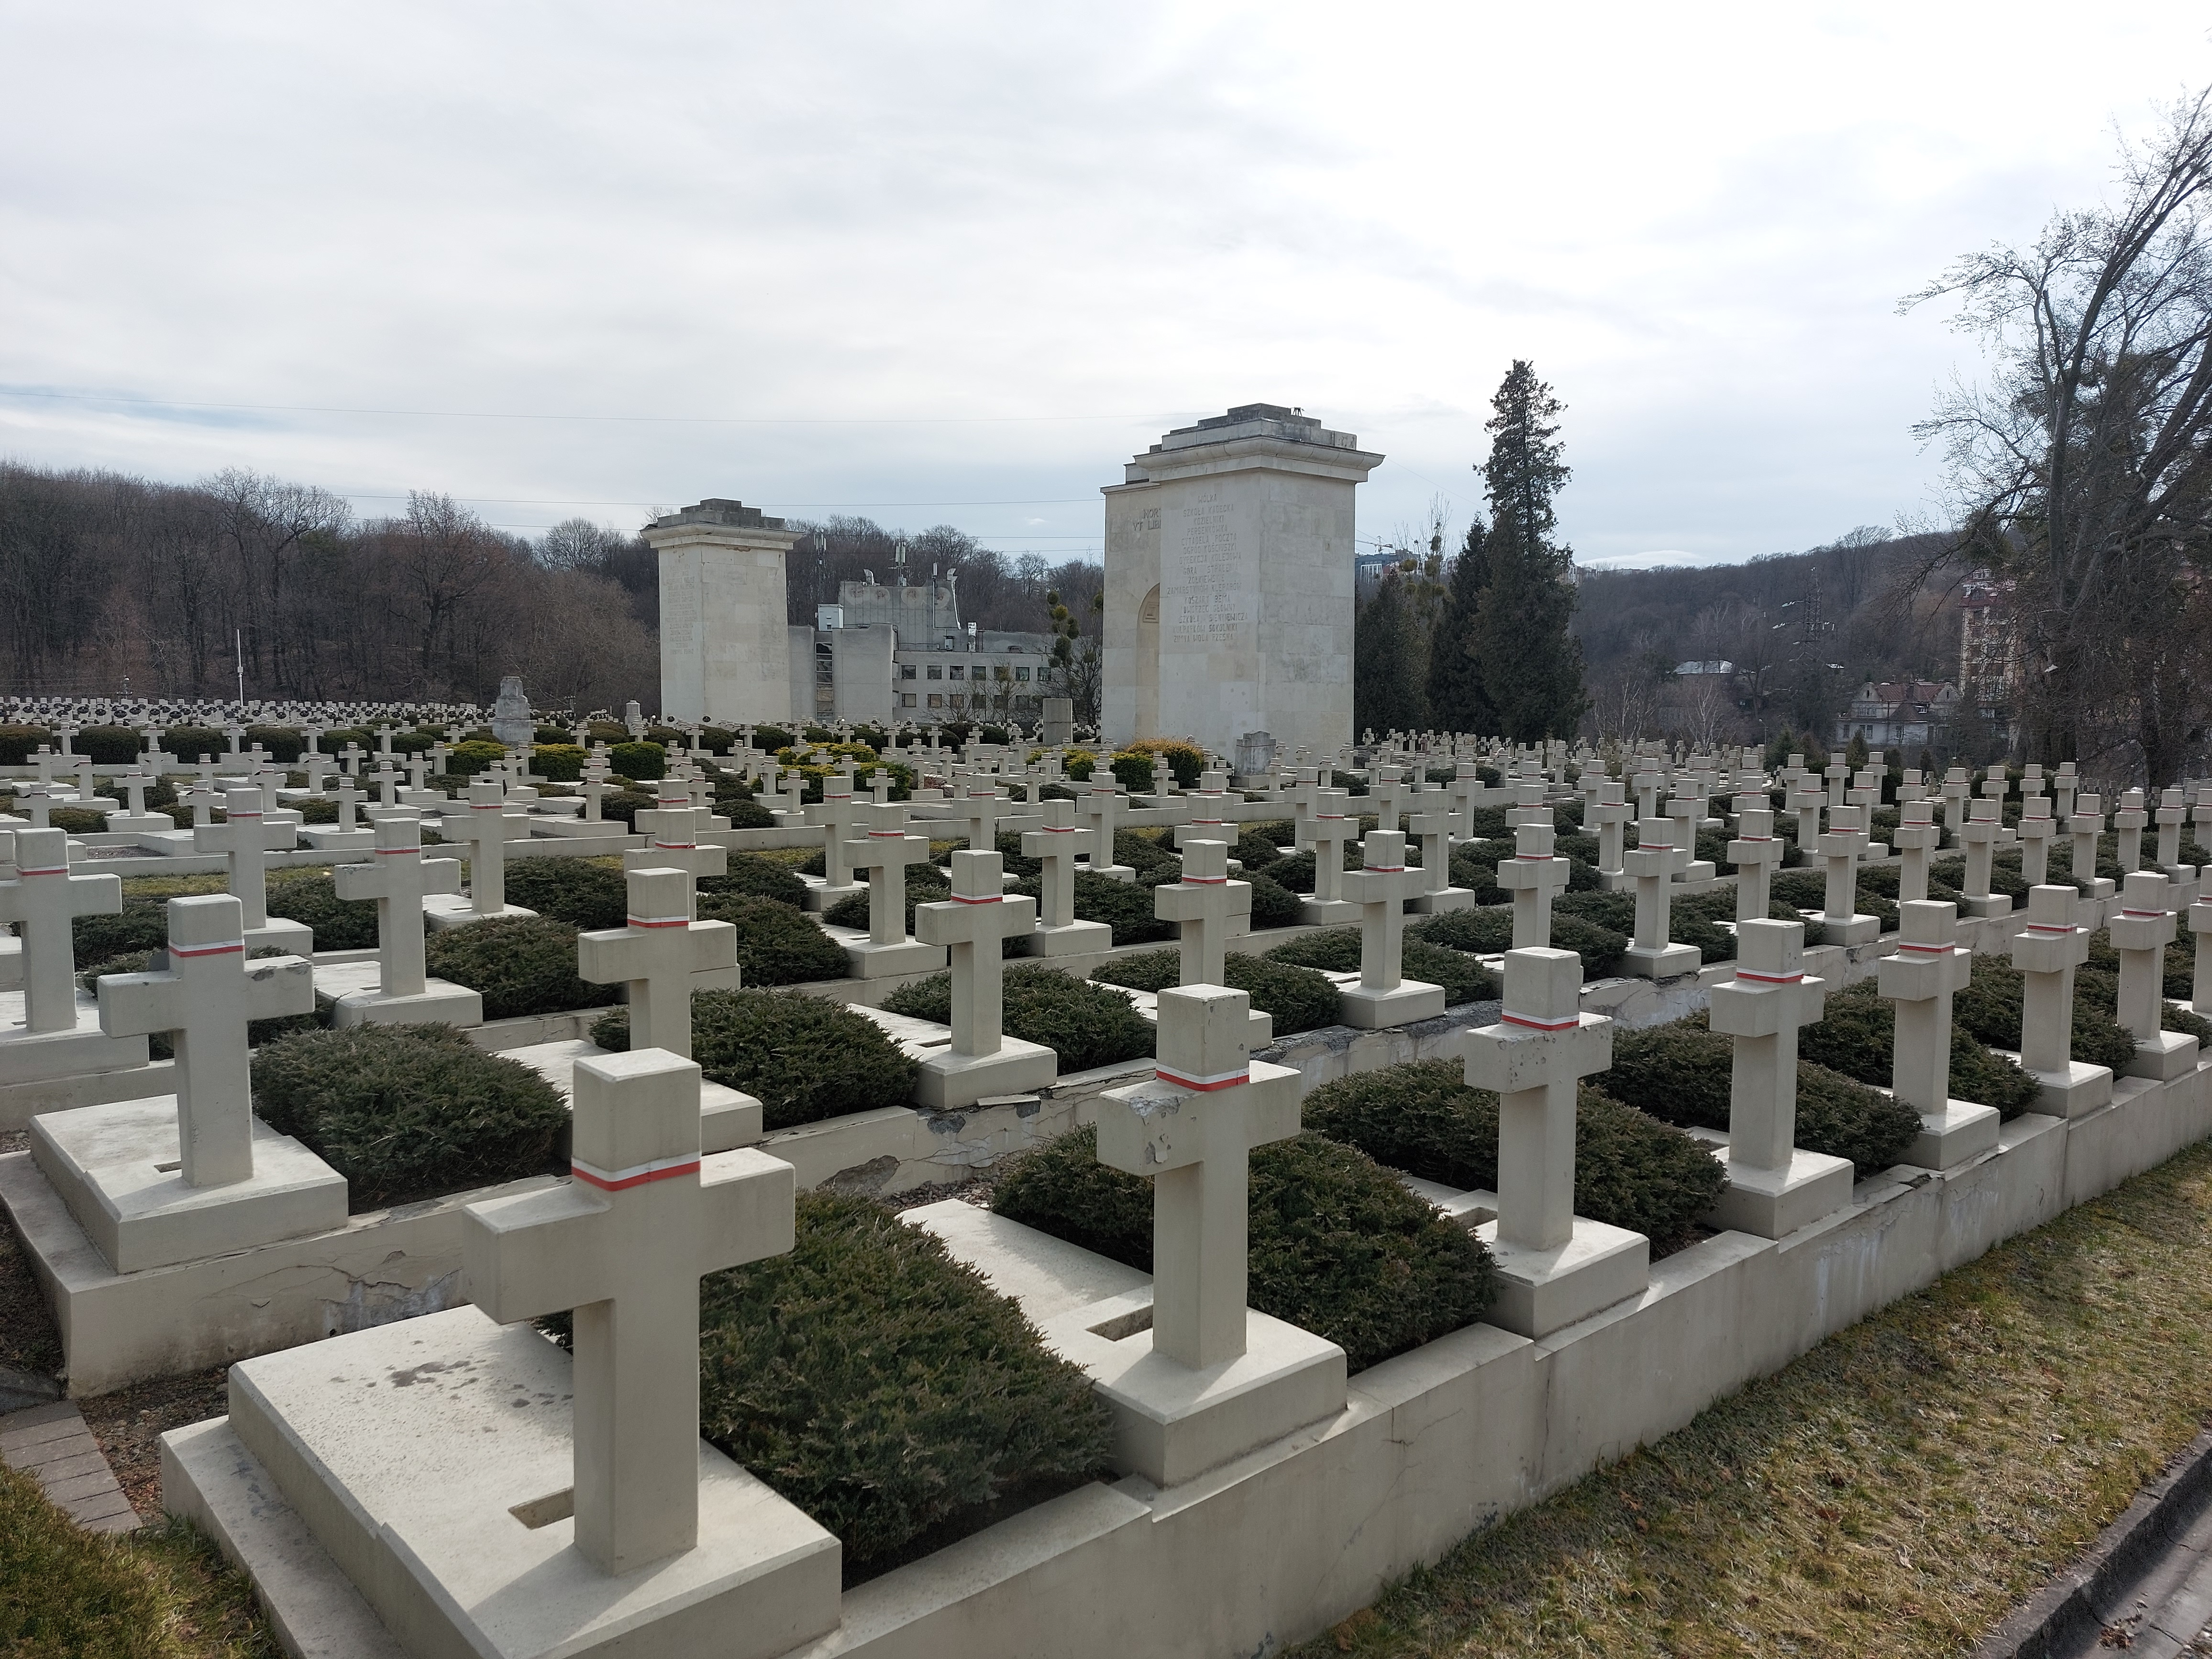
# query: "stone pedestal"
948, 1081
429, 1462
1543, 1289
1408, 1000
725, 645
354, 991
444, 911
1952, 1133
1775, 1203
117, 1168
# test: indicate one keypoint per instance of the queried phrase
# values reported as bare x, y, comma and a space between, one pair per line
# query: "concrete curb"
2062, 1618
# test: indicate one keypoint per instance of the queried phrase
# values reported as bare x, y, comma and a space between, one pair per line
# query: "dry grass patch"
1896, 1491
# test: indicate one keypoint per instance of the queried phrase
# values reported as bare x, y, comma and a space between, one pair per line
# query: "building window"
1002, 673
1021, 673
906, 699
906, 671
958, 672
936, 702
958, 702
935, 673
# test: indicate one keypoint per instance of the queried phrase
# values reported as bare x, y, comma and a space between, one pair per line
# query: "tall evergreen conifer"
1386, 685
1531, 665
1457, 701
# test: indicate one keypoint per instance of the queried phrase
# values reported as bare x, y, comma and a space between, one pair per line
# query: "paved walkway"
52, 1443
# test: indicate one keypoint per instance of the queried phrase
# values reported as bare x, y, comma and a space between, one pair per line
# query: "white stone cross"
1381, 887
624, 1243
1190, 1132
1534, 876
655, 957
1201, 905
1650, 862
1647, 784
2172, 812
1762, 1007
2063, 782
835, 813
1533, 1057
2036, 829
971, 924
1103, 804
1955, 792
2047, 950
245, 840
1980, 835
1757, 854
2140, 934
349, 800
1056, 846
1204, 806
2128, 825
1327, 831
1840, 921
1805, 801
1388, 792
2086, 824
486, 824
1916, 837
207, 995
41, 901
982, 809
1610, 814
397, 877
885, 848
1928, 969
674, 844
1433, 831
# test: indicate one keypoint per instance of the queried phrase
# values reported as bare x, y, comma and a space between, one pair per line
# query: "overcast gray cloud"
956, 263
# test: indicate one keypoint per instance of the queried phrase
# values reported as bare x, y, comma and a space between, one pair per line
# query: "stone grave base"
1371, 1011
948, 1081
2076, 1091
138, 823
1170, 1422
1077, 939
1698, 877
820, 895
1987, 904
116, 1166
1844, 930
1449, 898
1541, 1292
442, 911
1112, 872
171, 842
293, 939
355, 992
329, 838
1661, 962
1958, 1132
910, 956
727, 1119
430, 1463
39, 1056
2163, 1057
1775, 1203
120, 1328
1327, 913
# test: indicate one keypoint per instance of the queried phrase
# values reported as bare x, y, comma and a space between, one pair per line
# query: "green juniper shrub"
776, 945
804, 1058
283, 744
1990, 1008
771, 739
584, 894
1487, 930
314, 810
758, 878
1339, 1247
468, 759
409, 1112
1151, 861
1296, 998
1631, 1170
1255, 849
414, 743
142, 926
852, 910
19, 743
1681, 1075
1337, 949
1800, 890
666, 736
558, 762
545, 736
1087, 1025
78, 820
1273, 906
717, 740
181, 815
1857, 1036
339, 924
643, 761
1125, 907
1293, 872
745, 813
623, 807
118, 745
521, 965
189, 743
884, 1388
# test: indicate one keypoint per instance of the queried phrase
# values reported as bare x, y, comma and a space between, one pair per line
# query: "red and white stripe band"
1204, 1084
44, 870
2059, 928
980, 898
222, 948
1928, 950
1386, 869
659, 921
1770, 978
615, 1181
1535, 1025
2146, 915
1204, 881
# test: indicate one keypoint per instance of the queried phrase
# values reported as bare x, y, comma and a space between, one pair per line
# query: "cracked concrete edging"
2061, 1617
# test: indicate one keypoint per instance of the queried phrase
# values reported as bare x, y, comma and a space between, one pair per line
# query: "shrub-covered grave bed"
519, 964
776, 945
409, 1112
1337, 950
1858, 1035
1087, 1025
1487, 930
1631, 1170
804, 1058
1296, 999
1339, 1247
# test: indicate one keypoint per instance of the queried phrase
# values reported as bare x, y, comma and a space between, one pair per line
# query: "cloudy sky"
955, 263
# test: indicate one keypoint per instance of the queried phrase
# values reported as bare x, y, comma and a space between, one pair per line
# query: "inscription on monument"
1209, 602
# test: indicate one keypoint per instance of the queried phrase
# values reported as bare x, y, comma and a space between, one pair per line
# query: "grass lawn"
1895, 1491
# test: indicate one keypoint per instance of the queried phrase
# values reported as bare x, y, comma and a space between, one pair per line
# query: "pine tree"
1457, 701
1531, 665
1386, 688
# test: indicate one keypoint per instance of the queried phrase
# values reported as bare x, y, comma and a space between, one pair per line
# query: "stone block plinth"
1371, 1010
1076, 939
1957, 1133
2162, 1057
1664, 962
1775, 1203
947, 1081
868, 961
1543, 1290
442, 912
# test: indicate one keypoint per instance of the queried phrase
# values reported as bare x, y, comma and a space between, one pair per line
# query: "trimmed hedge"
1339, 1247
806, 1058
882, 1386
519, 964
558, 762
1631, 1170
745, 813
755, 876
1125, 907
586, 895
144, 925
1463, 978
339, 924
118, 745
19, 743
1857, 1037
1679, 1073
409, 1112
1273, 906
925, 884
189, 743
1487, 930
776, 945
1991, 1009
1084, 1024
643, 761
1296, 998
